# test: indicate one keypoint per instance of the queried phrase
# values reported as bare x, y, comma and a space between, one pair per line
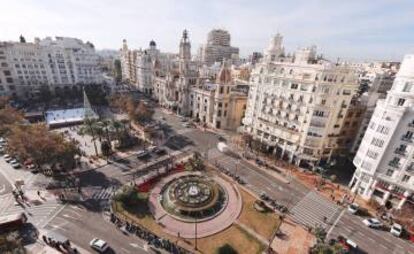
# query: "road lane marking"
334, 224
125, 250
53, 216
70, 217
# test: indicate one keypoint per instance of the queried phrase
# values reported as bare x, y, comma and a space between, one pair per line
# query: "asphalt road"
369, 240
81, 226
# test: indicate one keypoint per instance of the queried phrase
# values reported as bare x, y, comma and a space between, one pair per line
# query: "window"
6, 73
9, 80
382, 129
405, 178
221, 89
401, 102
389, 172
377, 142
372, 154
219, 113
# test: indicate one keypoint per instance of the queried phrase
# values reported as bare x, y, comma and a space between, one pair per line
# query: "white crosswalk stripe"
312, 209
103, 193
5, 202
36, 214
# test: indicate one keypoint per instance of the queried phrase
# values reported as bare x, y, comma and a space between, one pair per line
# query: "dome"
152, 43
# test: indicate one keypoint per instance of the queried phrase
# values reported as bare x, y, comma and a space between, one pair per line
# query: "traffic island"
177, 204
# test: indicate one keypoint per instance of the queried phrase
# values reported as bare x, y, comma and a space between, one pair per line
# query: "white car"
353, 208
98, 245
14, 161
7, 157
396, 230
372, 223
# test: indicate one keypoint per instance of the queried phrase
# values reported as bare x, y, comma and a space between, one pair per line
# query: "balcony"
394, 164
400, 152
407, 138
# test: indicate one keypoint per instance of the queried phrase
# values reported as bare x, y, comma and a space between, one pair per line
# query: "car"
98, 245
187, 125
159, 151
353, 208
7, 157
396, 229
372, 223
14, 160
15, 164
141, 154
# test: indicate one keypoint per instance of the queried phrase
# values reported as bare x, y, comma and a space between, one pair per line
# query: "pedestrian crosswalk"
315, 210
38, 213
103, 193
6, 201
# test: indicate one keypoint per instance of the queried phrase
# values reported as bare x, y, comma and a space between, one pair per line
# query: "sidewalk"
292, 239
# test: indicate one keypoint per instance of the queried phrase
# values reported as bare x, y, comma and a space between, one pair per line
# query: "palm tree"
90, 123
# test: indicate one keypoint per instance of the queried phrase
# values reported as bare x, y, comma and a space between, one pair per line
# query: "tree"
106, 148
226, 249
117, 70
8, 117
37, 143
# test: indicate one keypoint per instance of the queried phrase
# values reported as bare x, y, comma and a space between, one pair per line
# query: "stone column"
387, 195
404, 199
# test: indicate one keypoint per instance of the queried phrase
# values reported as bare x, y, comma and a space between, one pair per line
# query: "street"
83, 220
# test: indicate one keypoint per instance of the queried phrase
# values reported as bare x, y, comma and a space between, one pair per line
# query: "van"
396, 230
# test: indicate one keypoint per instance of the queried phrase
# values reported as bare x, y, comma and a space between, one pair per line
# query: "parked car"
98, 245
15, 164
141, 154
348, 244
372, 223
13, 161
353, 208
396, 229
7, 157
159, 151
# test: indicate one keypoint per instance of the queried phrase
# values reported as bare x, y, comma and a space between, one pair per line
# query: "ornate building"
297, 104
219, 105
173, 89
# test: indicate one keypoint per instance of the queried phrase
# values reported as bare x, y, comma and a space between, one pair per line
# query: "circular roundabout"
181, 200
192, 197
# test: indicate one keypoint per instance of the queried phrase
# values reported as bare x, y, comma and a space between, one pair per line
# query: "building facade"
219, 105
217, 48
297, 104
60, 64
384, 161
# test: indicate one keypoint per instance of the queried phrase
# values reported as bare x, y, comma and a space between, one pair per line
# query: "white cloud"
351, 28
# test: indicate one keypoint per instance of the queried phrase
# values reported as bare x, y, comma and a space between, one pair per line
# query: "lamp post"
195, 235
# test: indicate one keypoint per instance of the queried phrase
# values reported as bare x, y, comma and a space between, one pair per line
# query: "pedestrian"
38, 193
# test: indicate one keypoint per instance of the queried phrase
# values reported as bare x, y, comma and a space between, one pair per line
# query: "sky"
346, 29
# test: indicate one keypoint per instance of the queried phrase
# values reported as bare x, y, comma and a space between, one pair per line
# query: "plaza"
180, 217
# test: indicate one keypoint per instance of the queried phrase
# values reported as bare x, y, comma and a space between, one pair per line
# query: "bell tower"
185, 47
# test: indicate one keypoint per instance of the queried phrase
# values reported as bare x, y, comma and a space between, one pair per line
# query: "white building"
218, 48
296, 104
61, 64
384, 161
